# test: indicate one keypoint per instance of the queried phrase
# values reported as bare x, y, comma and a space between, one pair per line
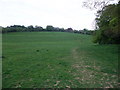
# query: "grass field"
0, 61
57, 60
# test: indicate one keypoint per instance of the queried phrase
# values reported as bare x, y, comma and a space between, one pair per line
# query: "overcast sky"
59, 13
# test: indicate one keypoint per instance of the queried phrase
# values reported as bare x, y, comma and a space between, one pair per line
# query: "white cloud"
59, 13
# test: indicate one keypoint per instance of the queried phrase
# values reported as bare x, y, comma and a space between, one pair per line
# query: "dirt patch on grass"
75, 54
90, 75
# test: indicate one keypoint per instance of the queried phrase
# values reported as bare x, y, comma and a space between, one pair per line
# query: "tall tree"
107, 20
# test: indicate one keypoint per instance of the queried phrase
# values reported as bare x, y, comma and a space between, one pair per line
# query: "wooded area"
50, 28
108, 25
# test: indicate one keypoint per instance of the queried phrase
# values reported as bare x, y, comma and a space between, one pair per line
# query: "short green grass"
57, 60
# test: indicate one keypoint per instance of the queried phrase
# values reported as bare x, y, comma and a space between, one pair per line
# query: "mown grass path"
89, 73
57, 60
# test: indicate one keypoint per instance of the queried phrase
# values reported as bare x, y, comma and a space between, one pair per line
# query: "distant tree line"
49, 28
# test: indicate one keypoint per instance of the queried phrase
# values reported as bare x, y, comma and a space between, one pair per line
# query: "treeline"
50, 28
108, 25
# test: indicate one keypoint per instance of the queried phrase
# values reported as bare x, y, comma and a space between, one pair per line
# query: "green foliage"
38, 28
19, 28
108, 25
50, 28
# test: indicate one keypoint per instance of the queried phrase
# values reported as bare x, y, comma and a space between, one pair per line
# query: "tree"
38, 28
69, 30
107, 20
30, 28
49, 28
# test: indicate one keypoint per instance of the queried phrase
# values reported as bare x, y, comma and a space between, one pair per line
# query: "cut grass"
57, 60
1, 61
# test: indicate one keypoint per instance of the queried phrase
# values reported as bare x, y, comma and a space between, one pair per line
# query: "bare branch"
96, 4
